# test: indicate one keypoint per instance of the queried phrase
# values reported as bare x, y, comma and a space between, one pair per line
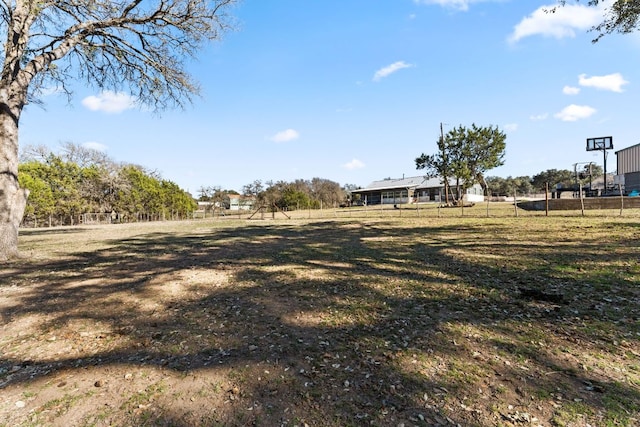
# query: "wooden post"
488, 198
546, 198
621, 199
581, 198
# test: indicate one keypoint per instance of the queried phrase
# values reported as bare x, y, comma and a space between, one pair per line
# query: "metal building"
629, 168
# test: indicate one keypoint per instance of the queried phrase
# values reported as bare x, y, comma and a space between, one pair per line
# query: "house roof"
402, 183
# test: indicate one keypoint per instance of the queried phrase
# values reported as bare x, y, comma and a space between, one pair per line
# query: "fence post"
546, 198
488, 198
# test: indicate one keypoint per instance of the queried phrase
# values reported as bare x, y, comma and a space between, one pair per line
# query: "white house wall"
475, 198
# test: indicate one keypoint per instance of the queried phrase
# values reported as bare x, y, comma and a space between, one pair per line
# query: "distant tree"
205, 193
35, 153
65, 179
506, 186
301, 185
215, 195
465, 154
137, 46
522, 184
177, 202
41, 203
591, 170
348, 191
438, 164
131, 202
83, 156
295, 199
298, 194
350, 187
553, 177
254, 189
271, 197
497, 186
622, 16
326, 192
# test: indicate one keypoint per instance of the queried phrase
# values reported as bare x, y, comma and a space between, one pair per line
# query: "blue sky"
353, 91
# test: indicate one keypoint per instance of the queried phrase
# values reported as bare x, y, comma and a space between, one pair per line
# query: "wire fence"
570, 208
626, 207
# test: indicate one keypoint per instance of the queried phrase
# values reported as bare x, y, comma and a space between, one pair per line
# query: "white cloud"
390, 69
110, 102
570, 90
539, 117
285, 136
612, 82
95, 146
574, 112
560, 22
453, 4
511, 127
354, 164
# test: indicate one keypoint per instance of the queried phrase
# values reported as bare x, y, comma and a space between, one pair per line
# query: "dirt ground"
420, 322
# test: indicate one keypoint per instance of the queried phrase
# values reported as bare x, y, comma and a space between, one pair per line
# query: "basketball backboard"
601, 143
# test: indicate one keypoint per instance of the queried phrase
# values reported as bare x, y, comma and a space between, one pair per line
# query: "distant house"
238, 202
230, 202
412, 190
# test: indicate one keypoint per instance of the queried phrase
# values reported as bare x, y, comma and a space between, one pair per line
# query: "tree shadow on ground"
343, 323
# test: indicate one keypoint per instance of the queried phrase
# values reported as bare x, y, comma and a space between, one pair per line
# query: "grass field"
351, 318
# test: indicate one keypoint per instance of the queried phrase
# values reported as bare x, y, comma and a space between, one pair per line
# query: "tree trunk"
13, 199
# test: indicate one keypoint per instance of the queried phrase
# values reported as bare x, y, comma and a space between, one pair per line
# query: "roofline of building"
626, 148
398, 181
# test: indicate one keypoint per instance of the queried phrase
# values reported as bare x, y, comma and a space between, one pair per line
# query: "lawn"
347, 320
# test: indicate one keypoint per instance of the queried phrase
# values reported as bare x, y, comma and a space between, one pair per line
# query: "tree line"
316, 193
81, 184
551, 179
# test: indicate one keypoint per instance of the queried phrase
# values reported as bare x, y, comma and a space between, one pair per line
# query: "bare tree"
84, 156
254, 189
135, 46
620, 16
37, 153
